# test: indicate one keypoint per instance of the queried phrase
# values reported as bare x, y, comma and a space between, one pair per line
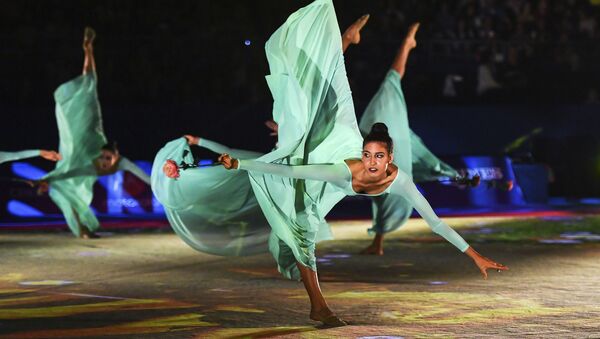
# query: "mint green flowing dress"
411, 155
81, 136
13, 156
229, 212
317, 124
211, 209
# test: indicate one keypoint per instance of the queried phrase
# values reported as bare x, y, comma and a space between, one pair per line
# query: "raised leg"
410, 42
89, 64
352, 34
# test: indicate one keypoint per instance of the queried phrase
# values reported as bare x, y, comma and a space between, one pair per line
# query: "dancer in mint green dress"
84, 149
313, 166
390, 212
14, 156
317, 124
313, 107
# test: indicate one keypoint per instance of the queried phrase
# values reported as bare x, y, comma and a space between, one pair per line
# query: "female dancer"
13, 156
86, 153
313, 106
390, 212
373, 175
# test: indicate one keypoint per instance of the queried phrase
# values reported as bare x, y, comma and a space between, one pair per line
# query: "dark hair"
379, 133
111, 146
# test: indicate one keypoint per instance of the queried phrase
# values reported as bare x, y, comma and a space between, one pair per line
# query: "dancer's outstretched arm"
128, 165
219, 148
124, 165
406, 188
12, 156
337, 174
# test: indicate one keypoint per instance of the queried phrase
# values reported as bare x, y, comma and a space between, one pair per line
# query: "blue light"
27, 171
247, 42
20, 209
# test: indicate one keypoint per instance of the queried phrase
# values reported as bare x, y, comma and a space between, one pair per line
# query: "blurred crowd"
500, 50
469, 50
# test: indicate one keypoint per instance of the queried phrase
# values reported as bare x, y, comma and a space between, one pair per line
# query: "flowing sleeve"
128, 165
336, 174
236, 153
404, 186
12, 156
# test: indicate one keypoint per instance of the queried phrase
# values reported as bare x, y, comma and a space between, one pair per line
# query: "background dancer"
84, 148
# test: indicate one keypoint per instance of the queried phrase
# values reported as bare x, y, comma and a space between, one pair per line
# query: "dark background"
171, 67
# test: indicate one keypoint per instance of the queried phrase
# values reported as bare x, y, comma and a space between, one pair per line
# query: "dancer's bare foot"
88, 37
376, 247
373, 249
410, 41
352, 34
327, 317
84, 233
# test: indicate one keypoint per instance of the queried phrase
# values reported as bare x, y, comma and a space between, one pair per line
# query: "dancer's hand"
273, 126
192, 140
50, 155
484, 263
228, 162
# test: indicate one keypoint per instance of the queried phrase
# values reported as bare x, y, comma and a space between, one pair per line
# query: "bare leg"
319, 310
84, 232
399, 64
352, 33
376, 247
89, 64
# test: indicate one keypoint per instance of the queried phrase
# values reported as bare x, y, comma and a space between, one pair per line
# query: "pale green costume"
13, 156
81, 138
213, 210
217, 211
411, 155
317, 124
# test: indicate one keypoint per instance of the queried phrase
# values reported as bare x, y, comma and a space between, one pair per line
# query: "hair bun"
379, 127
379, 133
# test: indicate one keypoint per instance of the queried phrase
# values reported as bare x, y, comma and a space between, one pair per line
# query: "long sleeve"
12, 156
406, 188
128, 165
236, 153
89, 170
336, 174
